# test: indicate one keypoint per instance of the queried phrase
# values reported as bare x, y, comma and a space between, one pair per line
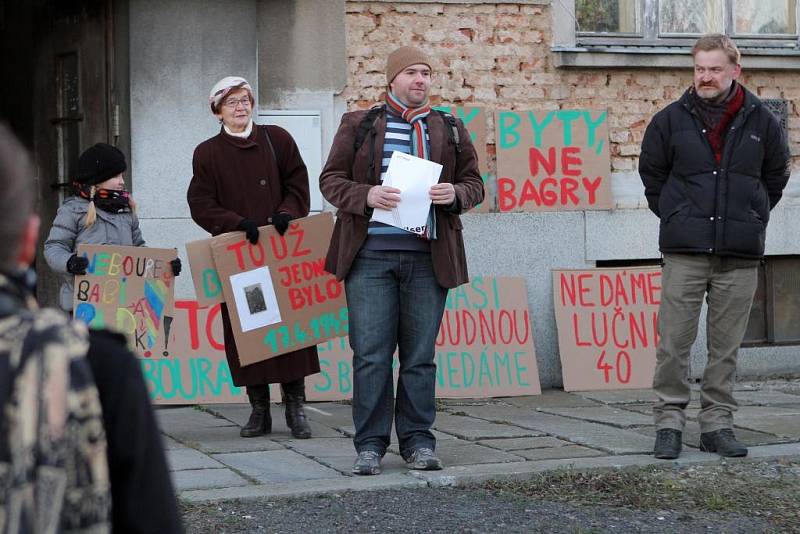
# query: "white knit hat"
225, 86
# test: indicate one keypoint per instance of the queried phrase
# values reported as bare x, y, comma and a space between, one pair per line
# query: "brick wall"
498, 56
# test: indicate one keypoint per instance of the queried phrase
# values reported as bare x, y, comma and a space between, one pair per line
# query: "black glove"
281, 222
250, 229
77, 264
176, 266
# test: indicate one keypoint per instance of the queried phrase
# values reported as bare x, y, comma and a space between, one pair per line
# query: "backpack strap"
366, 124
452, 132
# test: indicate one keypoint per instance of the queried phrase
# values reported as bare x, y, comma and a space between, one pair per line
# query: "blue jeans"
394, 301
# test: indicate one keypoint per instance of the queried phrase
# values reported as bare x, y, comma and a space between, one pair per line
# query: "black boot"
723, 442
668, 444
260, 421
294, 395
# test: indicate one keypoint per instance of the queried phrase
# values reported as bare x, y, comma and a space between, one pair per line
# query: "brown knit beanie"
402, 58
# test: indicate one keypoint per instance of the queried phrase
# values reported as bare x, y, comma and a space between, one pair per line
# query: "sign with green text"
278, 293
553, 160
484, 349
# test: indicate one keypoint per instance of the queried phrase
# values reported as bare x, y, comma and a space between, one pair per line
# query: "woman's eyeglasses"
233, 102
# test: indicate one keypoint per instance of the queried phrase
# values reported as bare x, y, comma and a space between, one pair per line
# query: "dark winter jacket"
709, 207
237, 178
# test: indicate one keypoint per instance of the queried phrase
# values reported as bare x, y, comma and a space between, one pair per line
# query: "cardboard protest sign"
279, 296
484, 349
607, 326
130, 290
474, 119
195, 369
207, 285
552, 160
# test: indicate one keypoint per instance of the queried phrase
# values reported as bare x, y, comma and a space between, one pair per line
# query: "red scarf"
716, 129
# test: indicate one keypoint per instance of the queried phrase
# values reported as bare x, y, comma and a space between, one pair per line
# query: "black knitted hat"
98, 163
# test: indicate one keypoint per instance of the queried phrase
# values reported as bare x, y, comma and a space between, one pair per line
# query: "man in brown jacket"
397, 281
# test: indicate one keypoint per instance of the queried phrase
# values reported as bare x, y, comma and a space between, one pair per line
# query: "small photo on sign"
255, 299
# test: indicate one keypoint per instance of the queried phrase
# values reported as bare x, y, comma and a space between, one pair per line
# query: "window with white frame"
753, 23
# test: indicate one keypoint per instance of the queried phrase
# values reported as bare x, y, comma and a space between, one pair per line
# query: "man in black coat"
713, 164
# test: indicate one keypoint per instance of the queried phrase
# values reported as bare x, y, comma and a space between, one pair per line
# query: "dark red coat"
237, 178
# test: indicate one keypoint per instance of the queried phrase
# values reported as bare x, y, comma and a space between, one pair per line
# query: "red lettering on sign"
212, 314
568, 159
237, 248
191, 307
301, 272
535, 159
576, 331
296, 231
316, 293
548, 192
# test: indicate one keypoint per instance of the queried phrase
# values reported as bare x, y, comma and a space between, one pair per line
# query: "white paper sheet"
255, 299
413, 176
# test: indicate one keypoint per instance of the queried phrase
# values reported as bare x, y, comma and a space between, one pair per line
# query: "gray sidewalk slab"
179, 459
304, 488
554, 453
614, 416
594, 435
177, 419
766, 398
520, 444
275, 466
223, 439
550, 397
477, 439
620, 396
194, 479
474, 429
785, 426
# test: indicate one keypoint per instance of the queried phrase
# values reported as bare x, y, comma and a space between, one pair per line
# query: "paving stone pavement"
477, 440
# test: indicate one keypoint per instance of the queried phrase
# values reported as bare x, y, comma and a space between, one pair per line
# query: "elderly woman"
246, 176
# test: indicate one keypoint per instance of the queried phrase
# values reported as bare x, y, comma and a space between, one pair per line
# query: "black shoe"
294, 394
723, 442
668, 444
259, 424
260, 421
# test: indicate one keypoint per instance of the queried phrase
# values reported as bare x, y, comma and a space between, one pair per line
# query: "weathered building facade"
312, 60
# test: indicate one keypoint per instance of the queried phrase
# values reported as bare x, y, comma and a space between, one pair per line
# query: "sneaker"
367, 463
423, 459
723, 442
668, 444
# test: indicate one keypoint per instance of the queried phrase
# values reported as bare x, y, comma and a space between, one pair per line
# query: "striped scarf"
415, 117
419, 145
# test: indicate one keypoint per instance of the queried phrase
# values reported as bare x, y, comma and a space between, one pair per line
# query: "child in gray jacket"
100, 213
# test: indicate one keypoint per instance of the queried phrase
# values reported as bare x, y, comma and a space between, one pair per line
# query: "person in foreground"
713, 164
79, 447
396, 281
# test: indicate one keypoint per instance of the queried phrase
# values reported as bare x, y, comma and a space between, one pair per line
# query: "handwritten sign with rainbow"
129, 290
